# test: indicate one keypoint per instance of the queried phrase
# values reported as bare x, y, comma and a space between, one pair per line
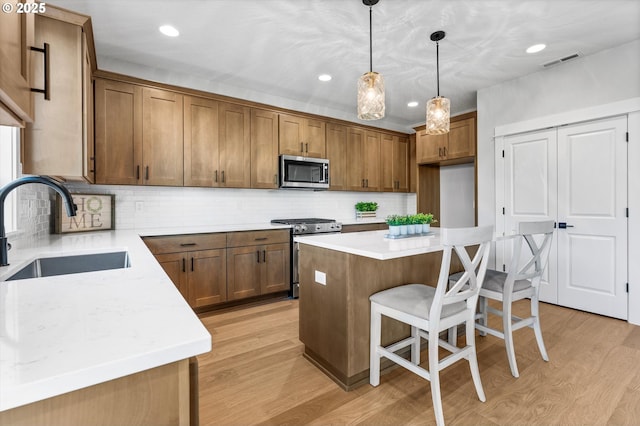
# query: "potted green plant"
404, 225
366, 209
414, 226
425, 219
394, 224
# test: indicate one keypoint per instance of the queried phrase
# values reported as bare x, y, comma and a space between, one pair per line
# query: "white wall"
457, 196
607, 77
179, 207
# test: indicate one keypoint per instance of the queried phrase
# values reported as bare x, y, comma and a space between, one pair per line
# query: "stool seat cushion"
414, 299
494, 281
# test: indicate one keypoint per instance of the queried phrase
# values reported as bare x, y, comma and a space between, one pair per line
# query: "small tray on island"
397, 237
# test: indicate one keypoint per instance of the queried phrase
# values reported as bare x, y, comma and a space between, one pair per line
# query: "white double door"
575, 175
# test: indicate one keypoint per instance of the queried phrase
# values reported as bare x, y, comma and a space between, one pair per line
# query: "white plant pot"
403, 229
394, 230
411, 229
426, 227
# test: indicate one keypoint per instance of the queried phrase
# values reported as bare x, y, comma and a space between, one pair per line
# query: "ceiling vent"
562, 60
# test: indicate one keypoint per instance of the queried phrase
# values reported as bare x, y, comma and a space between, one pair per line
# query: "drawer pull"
184, 268
260, 239
187, 244
258, 256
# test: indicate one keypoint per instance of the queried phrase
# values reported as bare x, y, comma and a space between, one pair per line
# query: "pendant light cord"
438, 66
370, 39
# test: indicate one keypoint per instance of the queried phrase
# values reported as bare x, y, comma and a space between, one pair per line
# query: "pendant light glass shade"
370, 84
370, 96
438, 108
438, 116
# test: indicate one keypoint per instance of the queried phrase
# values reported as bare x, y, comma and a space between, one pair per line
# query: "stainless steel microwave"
304, 172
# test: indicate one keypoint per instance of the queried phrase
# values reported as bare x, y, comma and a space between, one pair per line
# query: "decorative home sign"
95, 213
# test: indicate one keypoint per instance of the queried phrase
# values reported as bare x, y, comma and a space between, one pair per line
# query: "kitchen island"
338, 273
108, 347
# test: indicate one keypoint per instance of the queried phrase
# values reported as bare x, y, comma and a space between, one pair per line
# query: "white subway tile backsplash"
168, 207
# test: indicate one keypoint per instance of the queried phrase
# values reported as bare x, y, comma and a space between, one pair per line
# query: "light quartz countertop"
63, 333
373, 244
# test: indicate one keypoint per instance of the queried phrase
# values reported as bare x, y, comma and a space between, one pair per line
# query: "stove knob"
303, 228
296, 229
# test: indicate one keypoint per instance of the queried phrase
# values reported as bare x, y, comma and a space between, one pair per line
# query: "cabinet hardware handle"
93, 164
138, 172
445, 151
439, 152
192, 264
45, 51
275, 179
223, 176
187, 244
367, 183
264, 256
146, 173
362, 183
301, 147
306, 147
184, 267
216, 178
258, 256
261, 239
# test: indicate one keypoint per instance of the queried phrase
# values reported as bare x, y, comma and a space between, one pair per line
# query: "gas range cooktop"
314, 225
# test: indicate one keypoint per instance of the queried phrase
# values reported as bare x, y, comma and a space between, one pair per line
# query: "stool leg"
507, 328
536, 327
375, 337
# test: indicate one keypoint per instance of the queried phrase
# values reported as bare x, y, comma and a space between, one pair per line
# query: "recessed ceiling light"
412, 104
536, 48
324, 77
168, 30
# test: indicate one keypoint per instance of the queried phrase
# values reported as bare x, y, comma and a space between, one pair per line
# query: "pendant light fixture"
370, 84
438, 108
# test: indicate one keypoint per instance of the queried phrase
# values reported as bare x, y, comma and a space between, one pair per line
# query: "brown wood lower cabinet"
209, 269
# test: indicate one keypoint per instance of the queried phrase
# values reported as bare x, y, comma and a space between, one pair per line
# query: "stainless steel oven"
305, 226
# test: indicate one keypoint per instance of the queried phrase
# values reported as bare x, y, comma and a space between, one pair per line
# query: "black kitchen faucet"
5, 190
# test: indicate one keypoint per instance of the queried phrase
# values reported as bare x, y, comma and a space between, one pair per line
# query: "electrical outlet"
139, 206
321, 278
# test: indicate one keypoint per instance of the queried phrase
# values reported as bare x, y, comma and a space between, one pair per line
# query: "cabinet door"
337, 155
315, 137
244, 267
291, 135
58, 127
462, 139
235, 146
207, 277
174, 264
162, 142
429, 148
355, 168
201, 157
275, 273
16, 36
264, 149
118, 127
400, 164
88, 141
371, 155
387, 145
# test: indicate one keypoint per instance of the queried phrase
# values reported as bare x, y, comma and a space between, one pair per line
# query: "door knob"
563, 225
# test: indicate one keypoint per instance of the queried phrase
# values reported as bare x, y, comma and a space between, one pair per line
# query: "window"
9, 172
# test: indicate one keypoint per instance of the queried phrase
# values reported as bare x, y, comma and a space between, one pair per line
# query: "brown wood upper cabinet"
459, 143
363, 159
302, 136
138, 135
264, 149
16, 38
64, 123
395, 154
337, 155
201, 147
235, 146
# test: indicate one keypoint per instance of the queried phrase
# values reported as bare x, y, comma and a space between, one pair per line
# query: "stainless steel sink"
64, 265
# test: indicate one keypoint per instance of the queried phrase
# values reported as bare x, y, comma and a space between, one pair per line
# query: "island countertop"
373, 244
63, 333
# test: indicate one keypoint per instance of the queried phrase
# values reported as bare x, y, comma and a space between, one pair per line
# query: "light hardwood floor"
256, 374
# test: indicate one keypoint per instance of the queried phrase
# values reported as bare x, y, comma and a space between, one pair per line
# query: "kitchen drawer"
187, 242
253, 238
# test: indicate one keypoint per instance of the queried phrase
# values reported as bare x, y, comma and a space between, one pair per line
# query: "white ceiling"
273, 50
